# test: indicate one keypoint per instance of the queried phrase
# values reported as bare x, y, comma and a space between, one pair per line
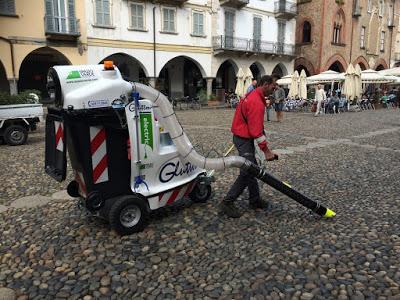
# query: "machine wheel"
128, 215
201, 193
15, 135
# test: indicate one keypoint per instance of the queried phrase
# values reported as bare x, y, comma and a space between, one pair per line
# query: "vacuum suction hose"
187, 151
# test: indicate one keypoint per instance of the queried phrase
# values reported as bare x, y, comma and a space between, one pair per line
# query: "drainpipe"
154, 46
12, 60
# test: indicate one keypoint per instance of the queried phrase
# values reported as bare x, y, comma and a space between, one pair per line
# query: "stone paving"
350, 162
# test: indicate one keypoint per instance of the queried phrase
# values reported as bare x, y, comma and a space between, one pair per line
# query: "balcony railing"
285, 10
234, 3
227, 43
63, 27
173, 2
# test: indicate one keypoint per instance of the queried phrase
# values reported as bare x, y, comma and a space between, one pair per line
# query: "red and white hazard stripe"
99, 154
176, 194
81, 183
59, 129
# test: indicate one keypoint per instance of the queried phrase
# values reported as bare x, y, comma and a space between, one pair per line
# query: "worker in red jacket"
247, 126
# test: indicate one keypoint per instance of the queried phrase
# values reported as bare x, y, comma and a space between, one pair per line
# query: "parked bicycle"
231, 99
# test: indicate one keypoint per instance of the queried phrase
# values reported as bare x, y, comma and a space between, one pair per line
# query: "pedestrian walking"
279, 99
252, 86
247, 127
320, 97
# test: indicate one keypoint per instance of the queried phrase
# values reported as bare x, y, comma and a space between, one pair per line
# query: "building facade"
35, 35
181, 47
358, 31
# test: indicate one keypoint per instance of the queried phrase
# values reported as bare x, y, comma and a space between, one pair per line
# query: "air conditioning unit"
390, 23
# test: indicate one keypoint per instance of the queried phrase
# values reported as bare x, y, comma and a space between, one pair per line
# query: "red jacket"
248, 121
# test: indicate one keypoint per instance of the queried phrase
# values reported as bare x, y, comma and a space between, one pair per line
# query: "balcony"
61, 28
285, 9
227, 44
234, 3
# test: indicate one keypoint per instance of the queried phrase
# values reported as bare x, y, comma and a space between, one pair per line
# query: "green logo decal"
74, 75
146, 130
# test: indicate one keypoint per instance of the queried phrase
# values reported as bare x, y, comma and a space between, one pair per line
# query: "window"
60, 16
229, 29
338, 27
198, 23
362, 37
103, 12
169, 19
281, 36
381, 8
137, 16
7, 7
382, 42
369, 7
306, 32
257, 33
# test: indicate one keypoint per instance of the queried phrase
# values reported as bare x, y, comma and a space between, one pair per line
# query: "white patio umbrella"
349, 83
285, 80
357, 82
248, 76
239, 90
326, 77
294, 85
396, 79
372, 76
303, 85
392, 71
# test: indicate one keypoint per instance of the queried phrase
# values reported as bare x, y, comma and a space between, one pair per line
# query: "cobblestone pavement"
350, 162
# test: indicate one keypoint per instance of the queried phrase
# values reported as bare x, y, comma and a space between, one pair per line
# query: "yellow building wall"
27, 32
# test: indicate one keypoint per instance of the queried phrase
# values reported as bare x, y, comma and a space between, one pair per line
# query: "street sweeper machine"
128, 152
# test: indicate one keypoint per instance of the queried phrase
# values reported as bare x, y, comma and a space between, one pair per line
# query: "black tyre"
201, 193
15, 135
128, 214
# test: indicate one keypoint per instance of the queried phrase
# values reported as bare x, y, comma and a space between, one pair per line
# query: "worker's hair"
266, 79
275, 76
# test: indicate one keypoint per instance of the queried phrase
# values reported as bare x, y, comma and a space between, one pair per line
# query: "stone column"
152, 81
209, 85
13, 86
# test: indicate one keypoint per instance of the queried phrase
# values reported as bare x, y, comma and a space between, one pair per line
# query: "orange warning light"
108, 65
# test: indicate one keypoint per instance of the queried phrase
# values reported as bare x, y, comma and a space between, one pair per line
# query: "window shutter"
106, 12
172, 20
99, 12
139, 11
201, 24
10, 7
50, 25
196, 23
7, 7
71, 16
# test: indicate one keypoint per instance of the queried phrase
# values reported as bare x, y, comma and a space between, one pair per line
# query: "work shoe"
229, 209
259, 204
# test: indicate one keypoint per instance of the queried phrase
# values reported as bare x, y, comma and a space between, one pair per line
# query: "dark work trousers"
246, 149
